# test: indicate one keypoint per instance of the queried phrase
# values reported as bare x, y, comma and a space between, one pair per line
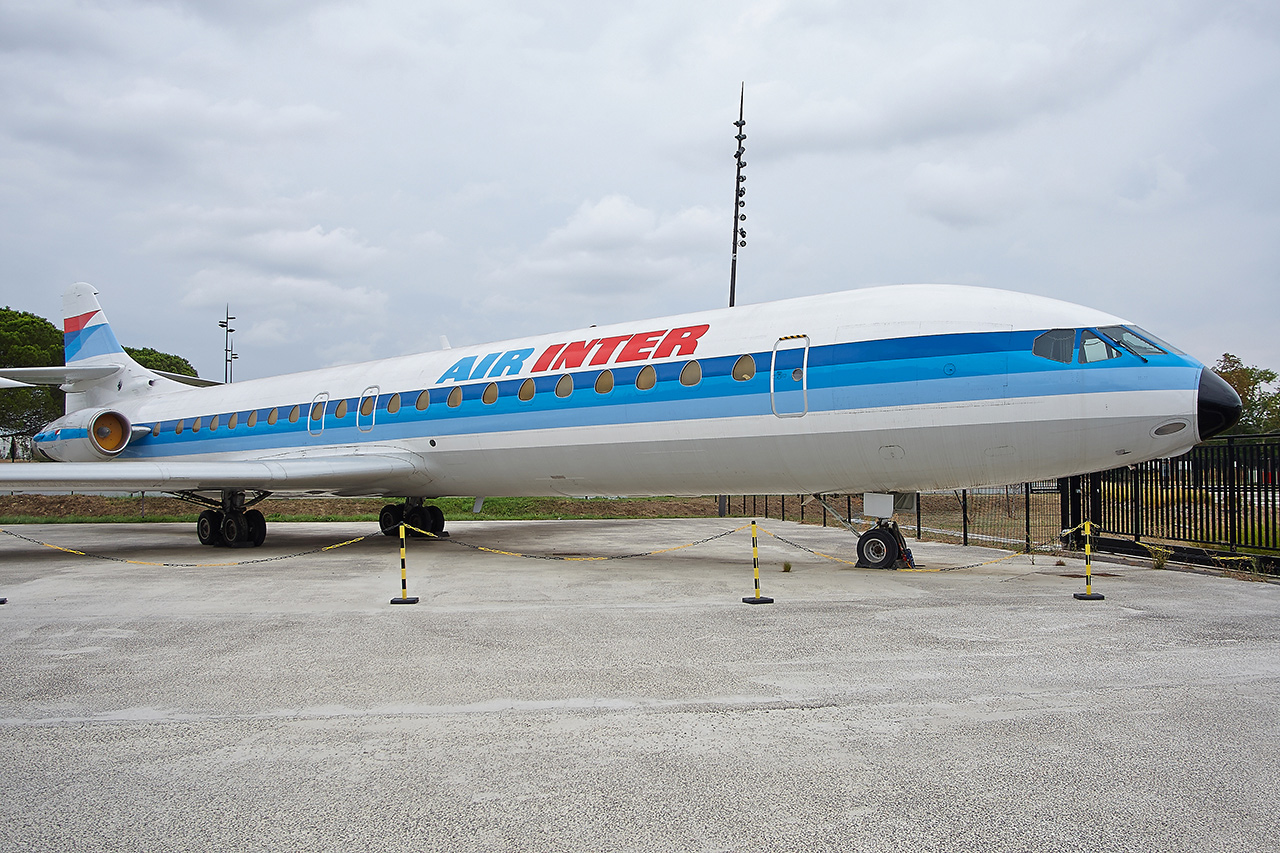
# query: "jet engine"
85, 436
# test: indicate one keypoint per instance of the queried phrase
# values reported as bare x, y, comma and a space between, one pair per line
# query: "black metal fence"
1222, 496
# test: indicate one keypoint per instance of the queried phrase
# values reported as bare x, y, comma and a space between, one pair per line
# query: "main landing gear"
415, 515
230, 521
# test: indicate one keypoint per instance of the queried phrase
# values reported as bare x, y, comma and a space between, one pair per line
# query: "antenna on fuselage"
739, 198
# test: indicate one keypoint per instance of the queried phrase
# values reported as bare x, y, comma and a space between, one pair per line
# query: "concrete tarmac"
633, 704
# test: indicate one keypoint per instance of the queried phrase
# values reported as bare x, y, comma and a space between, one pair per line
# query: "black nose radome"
1220, 406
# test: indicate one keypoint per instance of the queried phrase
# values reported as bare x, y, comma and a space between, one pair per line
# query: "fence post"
1135, 498
964, 514
1233, 497
1026, 511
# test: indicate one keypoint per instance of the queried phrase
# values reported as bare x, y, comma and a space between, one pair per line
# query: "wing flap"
364, 474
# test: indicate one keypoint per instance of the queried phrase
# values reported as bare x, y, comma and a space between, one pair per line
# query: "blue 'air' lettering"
478, 373
511, 363
461, 371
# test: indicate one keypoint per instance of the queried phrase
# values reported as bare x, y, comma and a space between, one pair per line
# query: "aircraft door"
789, 376
366, 411
315, 413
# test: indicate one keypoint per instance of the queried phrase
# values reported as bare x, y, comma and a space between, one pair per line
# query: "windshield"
1138, 340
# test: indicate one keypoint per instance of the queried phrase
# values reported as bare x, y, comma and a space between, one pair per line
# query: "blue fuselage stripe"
935, 369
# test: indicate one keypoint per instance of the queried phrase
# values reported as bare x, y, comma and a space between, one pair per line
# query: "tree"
156, 360
1260, 405
28, 340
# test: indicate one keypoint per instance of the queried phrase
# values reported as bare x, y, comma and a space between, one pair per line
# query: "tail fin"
86, 332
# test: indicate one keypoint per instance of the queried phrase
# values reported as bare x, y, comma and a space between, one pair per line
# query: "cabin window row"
690, 375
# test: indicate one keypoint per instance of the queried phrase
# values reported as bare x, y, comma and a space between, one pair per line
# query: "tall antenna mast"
739, 201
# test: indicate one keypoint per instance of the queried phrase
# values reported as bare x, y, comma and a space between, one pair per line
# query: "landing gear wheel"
877, 548
235, 530
417, 517
389, 519
209, 527
436, 515
257, 527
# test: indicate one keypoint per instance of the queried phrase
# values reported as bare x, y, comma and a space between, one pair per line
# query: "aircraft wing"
363, 474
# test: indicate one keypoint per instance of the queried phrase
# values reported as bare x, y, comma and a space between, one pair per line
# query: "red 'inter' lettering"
681, 341
637, 349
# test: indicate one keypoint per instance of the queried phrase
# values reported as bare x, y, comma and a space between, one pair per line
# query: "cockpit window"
1126, 338
1094, 348
1056, 345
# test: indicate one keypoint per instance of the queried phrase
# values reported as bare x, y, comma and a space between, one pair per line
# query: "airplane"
881, 390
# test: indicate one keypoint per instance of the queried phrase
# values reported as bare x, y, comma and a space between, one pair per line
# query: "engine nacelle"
85, 436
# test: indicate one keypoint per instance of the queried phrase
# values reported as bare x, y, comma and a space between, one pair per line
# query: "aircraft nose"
1219, 408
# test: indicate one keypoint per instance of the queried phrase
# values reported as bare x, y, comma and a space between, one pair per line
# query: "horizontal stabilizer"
187, 380
360, 474
57, 375
11, 383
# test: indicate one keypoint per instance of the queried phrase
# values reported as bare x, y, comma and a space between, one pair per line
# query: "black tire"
257, 527
437, 519
235, 530
877, 549
417, 517
389, 519
209, 528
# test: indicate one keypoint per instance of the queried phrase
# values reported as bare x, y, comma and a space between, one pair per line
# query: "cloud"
615, 243
265, 240
152, 127
961, 195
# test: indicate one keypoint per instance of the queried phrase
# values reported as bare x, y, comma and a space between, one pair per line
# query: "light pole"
739, 198
227, 352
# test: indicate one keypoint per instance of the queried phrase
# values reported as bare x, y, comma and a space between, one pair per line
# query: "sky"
358, 179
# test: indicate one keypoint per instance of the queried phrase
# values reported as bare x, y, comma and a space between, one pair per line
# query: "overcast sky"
358, 179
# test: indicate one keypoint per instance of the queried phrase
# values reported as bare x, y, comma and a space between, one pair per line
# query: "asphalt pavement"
624, 704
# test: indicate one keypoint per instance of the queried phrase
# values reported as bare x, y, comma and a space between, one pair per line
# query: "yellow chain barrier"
109, 558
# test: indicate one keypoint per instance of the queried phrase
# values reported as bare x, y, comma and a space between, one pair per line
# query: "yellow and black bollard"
404, 598
755, 565
1088, 594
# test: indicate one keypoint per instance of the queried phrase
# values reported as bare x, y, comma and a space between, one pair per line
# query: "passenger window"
233, 420
253, 419
490, 395
341, 411
213, 422
744, 368
272, 417
565, 386
646, 378
1094, 348
525, 394
393, 405
1055, 345
294, 414
177, 428
455, 397
195, 427
691, 374
604, 382
366, 406
155, 430
317, 411
424, 400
